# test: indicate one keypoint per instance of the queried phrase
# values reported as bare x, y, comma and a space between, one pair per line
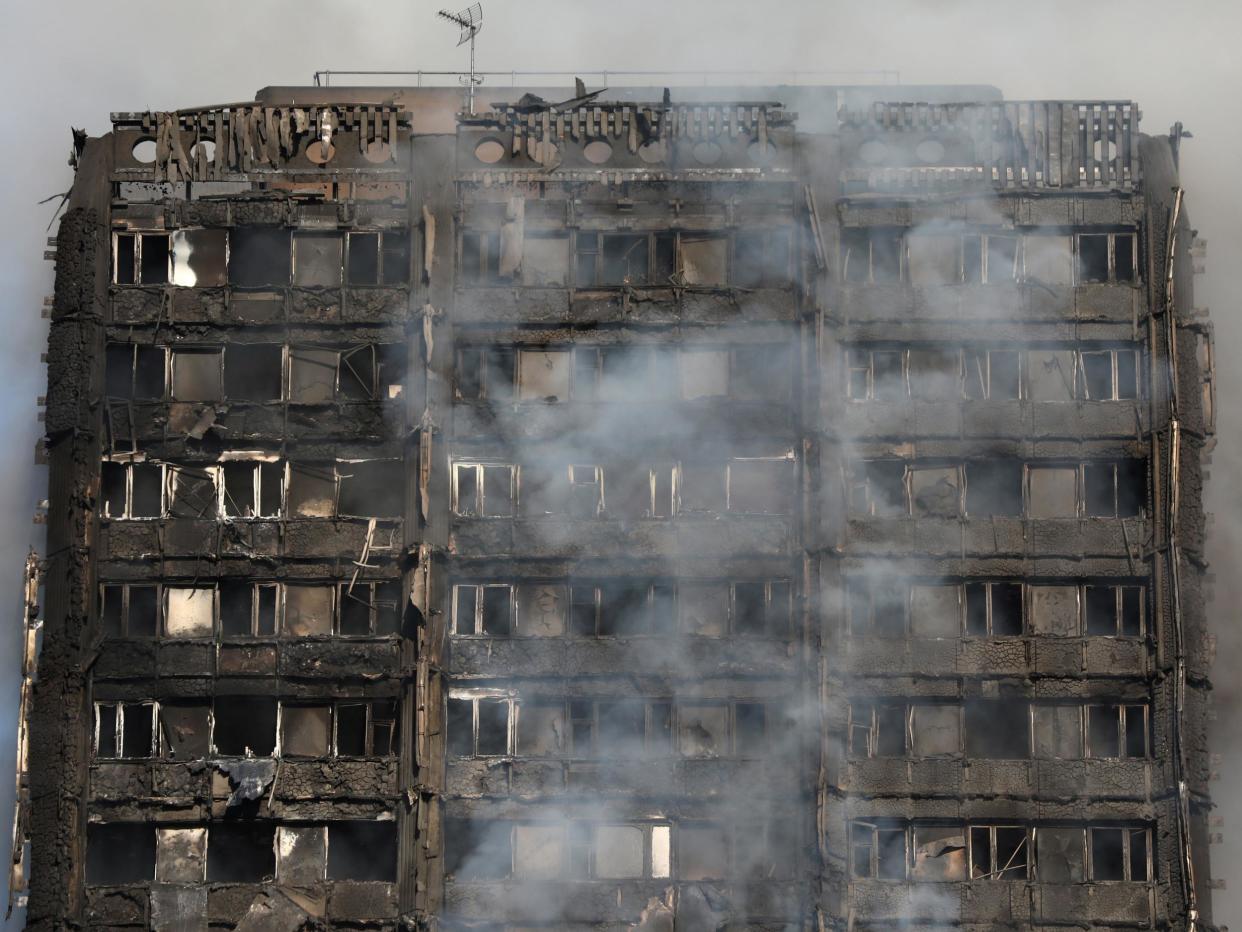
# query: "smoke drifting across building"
759, 509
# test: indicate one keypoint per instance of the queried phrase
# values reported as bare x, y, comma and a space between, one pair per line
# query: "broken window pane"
934, 491
998, 730
760, 486
541, 730
312, 375
312, 491
935, 731
308, 610
301, 854
1093, 257
1058, 732
192, 493
704, 259
545, 260
993, 488
180, 855
1050, 375
935, 611
241, 852
259, 257
939, 854
372, 489
317, 259
624, 259
702, 730
1049, 260
305, 731
357, 373
704, 608
199, 258
245, 725
189, 613
541, 610
1054, 611
702, 852
185, 730
196, 375
1053, 492
252, 371
543, 375
1059, 855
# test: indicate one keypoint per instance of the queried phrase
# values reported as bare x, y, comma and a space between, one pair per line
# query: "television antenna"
470, 20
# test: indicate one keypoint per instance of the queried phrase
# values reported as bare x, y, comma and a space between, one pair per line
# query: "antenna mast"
470, 20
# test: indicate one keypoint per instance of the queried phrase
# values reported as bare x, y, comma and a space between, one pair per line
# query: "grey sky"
71, 62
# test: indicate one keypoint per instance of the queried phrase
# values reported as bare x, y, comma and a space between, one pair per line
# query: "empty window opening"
301, 854
877, 608
939, 853
189, 613
762, 259
878, 851
1059, 855
877, 729
192, 493
935, 730
702, 852
119, 853
247, 609
761, 608
998, 730
935, 491
1117, 731
371, 489
541, 610
252, 371
1114, 611
485, 610
1048, 259
480, 257
701, 488
129, 610
185, 730
760, 373
305, 730
934, 258
317, 259
994, 609
545, 260
935, 611
761, 486
993, 488
125, 729
245, 726
878, 488
1108, 375
702, 259
703, 608
241, 852
140, 258
197, 375
259, 257
252, 489
311, 490
312, 375
486, 374
1052, 492
935, 374
199, 258
1119, 854
359, 850
993, 375
369, 608
477, 849
134, 370
871, 256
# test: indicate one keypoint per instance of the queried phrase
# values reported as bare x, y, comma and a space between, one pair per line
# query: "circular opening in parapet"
597, 152
207, 147
489, 151
761, 154
320, 153
144, 151
707, 153
873, 152
930, 151
544, 151
651, 152
377, 151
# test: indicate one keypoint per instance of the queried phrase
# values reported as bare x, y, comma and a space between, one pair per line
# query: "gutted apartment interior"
720, 509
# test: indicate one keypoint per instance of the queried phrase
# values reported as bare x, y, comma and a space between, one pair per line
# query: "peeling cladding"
640, 513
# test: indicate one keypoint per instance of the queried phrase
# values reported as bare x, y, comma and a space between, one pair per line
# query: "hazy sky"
72, 63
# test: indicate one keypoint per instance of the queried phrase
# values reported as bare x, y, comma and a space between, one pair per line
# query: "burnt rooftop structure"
756, 509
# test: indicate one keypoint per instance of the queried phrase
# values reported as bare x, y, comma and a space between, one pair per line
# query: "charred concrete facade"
757, 511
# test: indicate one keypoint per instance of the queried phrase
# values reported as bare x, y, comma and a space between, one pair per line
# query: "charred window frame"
483, 609
141, 258
1108, 375
318, 258
130, 610
1103, 258
878, 608
621, 608
126, 730
252, 488
990, 258
189, 610
586, 490
873, 256
558, 850
994, 608
254, 372
762, 259
878, 851
260, 257
1119, 854
369, 609
746, 728
131, 490
486, 373
480, 257
760, 608
609, 260
1115, 610
480, 724
377, 257
1120, 731
876, 488
346, 728
1000, 852
196, 373
249, 609
1117, 489
135, 371
484, 490
1205, 353
993, 374
119, 853
760, 485
192, 492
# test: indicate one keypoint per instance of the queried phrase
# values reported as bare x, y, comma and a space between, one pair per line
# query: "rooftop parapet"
1015, 145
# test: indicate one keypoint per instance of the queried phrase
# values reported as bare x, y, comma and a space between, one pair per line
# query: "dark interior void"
241, 852
362, 851
120, 853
